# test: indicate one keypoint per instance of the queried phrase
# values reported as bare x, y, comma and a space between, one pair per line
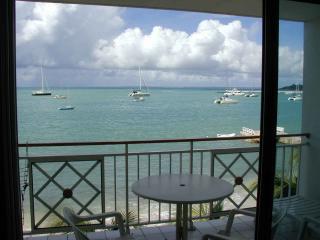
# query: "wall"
310, 167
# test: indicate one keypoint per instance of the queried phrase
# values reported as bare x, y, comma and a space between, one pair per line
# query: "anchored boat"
225, 100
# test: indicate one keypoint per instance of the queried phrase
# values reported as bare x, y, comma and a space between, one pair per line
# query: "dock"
280, 131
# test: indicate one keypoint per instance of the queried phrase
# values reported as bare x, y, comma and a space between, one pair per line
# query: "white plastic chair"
73, 219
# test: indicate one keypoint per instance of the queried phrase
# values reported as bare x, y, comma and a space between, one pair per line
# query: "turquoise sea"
109, 114
103, 114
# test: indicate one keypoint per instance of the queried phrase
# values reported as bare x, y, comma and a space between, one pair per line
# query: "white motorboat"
136, 93
226, 135
42, 91
225, 100
233, 92
295, 98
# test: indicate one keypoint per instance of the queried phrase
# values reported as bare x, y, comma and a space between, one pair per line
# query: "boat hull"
66, 108
41, 93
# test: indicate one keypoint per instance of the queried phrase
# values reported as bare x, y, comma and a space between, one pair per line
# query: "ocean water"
108, 114
103, 114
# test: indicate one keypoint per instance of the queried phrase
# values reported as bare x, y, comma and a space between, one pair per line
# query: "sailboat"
138, 94
296, 96
42, 91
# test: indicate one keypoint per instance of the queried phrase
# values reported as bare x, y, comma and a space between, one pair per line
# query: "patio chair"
312, 224
305, 211
225, 234
73, 219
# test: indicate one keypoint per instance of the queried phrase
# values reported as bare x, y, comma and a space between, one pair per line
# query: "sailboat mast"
140, 78
42, 85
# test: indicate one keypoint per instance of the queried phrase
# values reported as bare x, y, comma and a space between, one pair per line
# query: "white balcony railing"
94, 182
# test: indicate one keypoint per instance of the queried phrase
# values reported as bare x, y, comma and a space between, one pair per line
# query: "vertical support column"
269, 100
9, 170
127, 186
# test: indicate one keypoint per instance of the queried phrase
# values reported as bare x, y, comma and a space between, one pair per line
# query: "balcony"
99, 176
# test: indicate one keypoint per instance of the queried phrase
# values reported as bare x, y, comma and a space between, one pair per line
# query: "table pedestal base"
182, 222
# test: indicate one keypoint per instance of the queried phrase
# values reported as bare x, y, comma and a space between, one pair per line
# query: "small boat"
136, 93
60, 97
66, 107
226, 135
251, 95
225, 100
42, 91
295, 98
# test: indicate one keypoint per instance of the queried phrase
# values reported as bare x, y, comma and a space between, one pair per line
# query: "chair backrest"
72, 219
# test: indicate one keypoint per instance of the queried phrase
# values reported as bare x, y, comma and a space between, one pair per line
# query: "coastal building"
309, 164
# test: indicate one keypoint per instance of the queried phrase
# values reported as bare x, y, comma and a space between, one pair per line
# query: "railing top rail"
179, 140
228, 150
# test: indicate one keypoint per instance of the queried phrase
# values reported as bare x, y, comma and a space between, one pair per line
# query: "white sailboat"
138, 94
296, 96
42, 91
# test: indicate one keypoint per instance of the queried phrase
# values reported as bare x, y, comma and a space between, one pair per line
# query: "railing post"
298, 171
191, 227
282, 170
212, 175
31, 195
103, 188
127, 186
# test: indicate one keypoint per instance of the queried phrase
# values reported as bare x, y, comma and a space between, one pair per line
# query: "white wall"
310, 166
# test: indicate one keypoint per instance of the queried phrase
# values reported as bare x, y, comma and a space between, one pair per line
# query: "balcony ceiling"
289, 10
252, 8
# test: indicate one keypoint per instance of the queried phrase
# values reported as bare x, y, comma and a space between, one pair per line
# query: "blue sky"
104, 46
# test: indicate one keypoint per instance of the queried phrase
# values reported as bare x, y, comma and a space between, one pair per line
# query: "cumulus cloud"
213, 46
62, 35
42, 21
290, 62
90, 39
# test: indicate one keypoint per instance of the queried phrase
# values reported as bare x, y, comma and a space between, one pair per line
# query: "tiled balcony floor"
243, 228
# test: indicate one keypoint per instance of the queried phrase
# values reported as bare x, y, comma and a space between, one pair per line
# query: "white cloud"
62, 35
42, 21
213, 45
290, 62
93, 37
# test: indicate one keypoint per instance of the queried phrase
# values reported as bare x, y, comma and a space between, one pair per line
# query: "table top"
182, 188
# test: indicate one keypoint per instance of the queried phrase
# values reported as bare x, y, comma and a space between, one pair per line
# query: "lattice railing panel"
60, 181
242, 165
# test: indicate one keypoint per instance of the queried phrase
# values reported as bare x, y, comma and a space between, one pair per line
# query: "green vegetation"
288, 185
204, 209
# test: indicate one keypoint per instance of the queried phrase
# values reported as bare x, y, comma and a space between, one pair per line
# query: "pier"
280, 131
